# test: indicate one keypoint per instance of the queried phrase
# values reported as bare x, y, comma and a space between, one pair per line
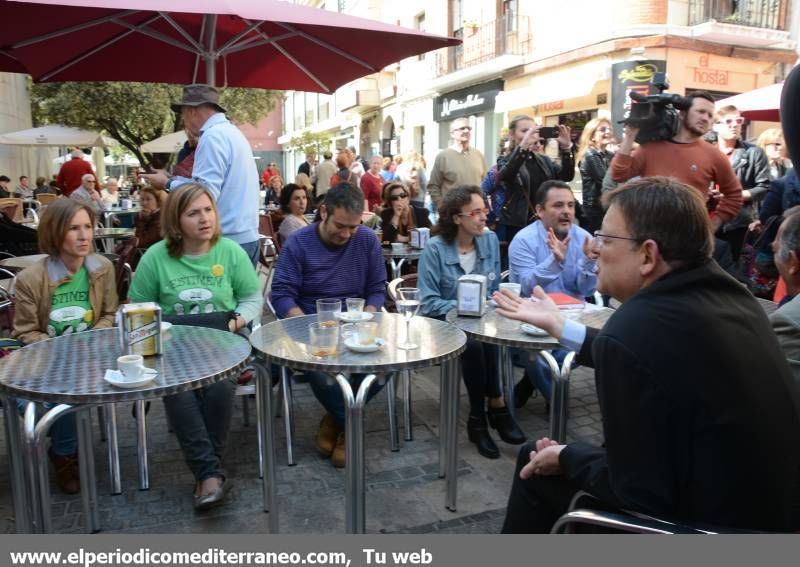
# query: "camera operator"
750, 164
686, 157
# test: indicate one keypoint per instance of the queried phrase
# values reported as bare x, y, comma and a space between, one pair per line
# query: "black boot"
502, 420
478, 433
523, 391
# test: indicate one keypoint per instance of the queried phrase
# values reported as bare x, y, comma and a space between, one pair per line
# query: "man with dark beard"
555, 254
686, 157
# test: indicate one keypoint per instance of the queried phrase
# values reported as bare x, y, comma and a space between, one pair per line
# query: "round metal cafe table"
69, 370
396, 258
493, 328
286, 343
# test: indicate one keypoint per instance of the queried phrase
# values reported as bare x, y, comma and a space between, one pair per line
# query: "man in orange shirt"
686, 157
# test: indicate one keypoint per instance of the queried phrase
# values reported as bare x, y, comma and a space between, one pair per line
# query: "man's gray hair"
76, 153
86, 176
462, 119
790, 238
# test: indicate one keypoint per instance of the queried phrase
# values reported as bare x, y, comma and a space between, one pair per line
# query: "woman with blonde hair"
771, 141
593, 160
194, 270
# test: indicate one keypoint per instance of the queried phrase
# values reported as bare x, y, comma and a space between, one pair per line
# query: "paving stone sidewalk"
404, 493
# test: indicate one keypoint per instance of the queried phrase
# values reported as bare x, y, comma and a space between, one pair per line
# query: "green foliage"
134, 113
310, 142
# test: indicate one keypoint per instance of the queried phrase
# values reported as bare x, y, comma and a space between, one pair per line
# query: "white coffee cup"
514, 288
398, 247
131, 366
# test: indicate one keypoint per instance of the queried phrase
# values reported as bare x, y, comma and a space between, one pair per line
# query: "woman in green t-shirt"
69, 291
194, 270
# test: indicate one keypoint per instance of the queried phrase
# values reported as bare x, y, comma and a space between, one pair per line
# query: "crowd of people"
659, 229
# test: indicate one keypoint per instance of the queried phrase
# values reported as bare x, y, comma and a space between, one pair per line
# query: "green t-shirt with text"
195, 284
70, 309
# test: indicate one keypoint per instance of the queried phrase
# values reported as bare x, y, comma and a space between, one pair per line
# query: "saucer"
115, 378
532, 330
353, 317
358, 347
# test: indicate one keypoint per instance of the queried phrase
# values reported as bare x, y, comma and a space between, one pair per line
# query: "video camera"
656, 115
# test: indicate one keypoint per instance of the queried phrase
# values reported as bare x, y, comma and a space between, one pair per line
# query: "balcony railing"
504, 36
772, 14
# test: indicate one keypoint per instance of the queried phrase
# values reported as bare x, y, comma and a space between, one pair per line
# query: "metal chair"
585, 509
46, 198
405, 375
18, 215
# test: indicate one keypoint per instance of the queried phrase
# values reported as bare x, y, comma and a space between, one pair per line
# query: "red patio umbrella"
759, 104
242, 43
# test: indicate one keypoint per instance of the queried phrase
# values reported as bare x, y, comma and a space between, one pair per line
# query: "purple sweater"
308, 270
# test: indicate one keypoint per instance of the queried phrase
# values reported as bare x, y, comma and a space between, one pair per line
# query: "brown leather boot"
66, 468
326, 436
338, 457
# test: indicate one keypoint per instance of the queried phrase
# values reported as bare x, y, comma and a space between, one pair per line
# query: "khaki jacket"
34, 295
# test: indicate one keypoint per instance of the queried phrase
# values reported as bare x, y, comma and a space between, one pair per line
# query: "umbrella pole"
210, 56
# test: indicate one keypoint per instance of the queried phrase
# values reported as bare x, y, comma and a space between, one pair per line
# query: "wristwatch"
168, 183
233, 316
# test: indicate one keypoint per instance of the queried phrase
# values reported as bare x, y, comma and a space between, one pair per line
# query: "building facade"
523, 57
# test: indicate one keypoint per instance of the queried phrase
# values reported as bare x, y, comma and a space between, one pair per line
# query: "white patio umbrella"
55, 135
168, 144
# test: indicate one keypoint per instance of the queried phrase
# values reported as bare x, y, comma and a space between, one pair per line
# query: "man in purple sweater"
332, 259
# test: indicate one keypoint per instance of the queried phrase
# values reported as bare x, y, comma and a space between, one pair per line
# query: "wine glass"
407, 306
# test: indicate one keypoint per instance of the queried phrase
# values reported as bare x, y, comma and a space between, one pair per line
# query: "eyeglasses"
399, 196
776, 144
604, 129
475, 214
730, 121
460, 128
600, 238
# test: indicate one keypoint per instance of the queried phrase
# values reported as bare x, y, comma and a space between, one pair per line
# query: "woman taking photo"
593, 160
71, 290
461, 246
399, 215
294, 200
148, 221
195, 270
526, 169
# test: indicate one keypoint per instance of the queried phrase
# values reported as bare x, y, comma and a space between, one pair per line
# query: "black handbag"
216, 320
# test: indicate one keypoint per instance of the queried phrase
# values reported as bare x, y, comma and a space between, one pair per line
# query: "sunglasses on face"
461, 128
399, 196
732, 121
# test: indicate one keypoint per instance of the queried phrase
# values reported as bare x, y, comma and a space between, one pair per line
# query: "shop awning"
557, 85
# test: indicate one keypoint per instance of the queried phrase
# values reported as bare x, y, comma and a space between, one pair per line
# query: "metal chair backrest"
46, 198
18, 215
126, 251
408, 280
266, 228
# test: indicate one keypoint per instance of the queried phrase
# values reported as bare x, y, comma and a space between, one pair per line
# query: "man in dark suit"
699, 417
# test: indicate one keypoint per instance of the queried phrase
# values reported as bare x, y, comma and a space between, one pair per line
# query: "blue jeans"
252, 251
63, 436
538, 370
330, 394
201, 419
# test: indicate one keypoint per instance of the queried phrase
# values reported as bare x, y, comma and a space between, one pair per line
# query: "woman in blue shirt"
462, 246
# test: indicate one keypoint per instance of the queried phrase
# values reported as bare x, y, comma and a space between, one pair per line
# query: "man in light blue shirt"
555, 254
223, 162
